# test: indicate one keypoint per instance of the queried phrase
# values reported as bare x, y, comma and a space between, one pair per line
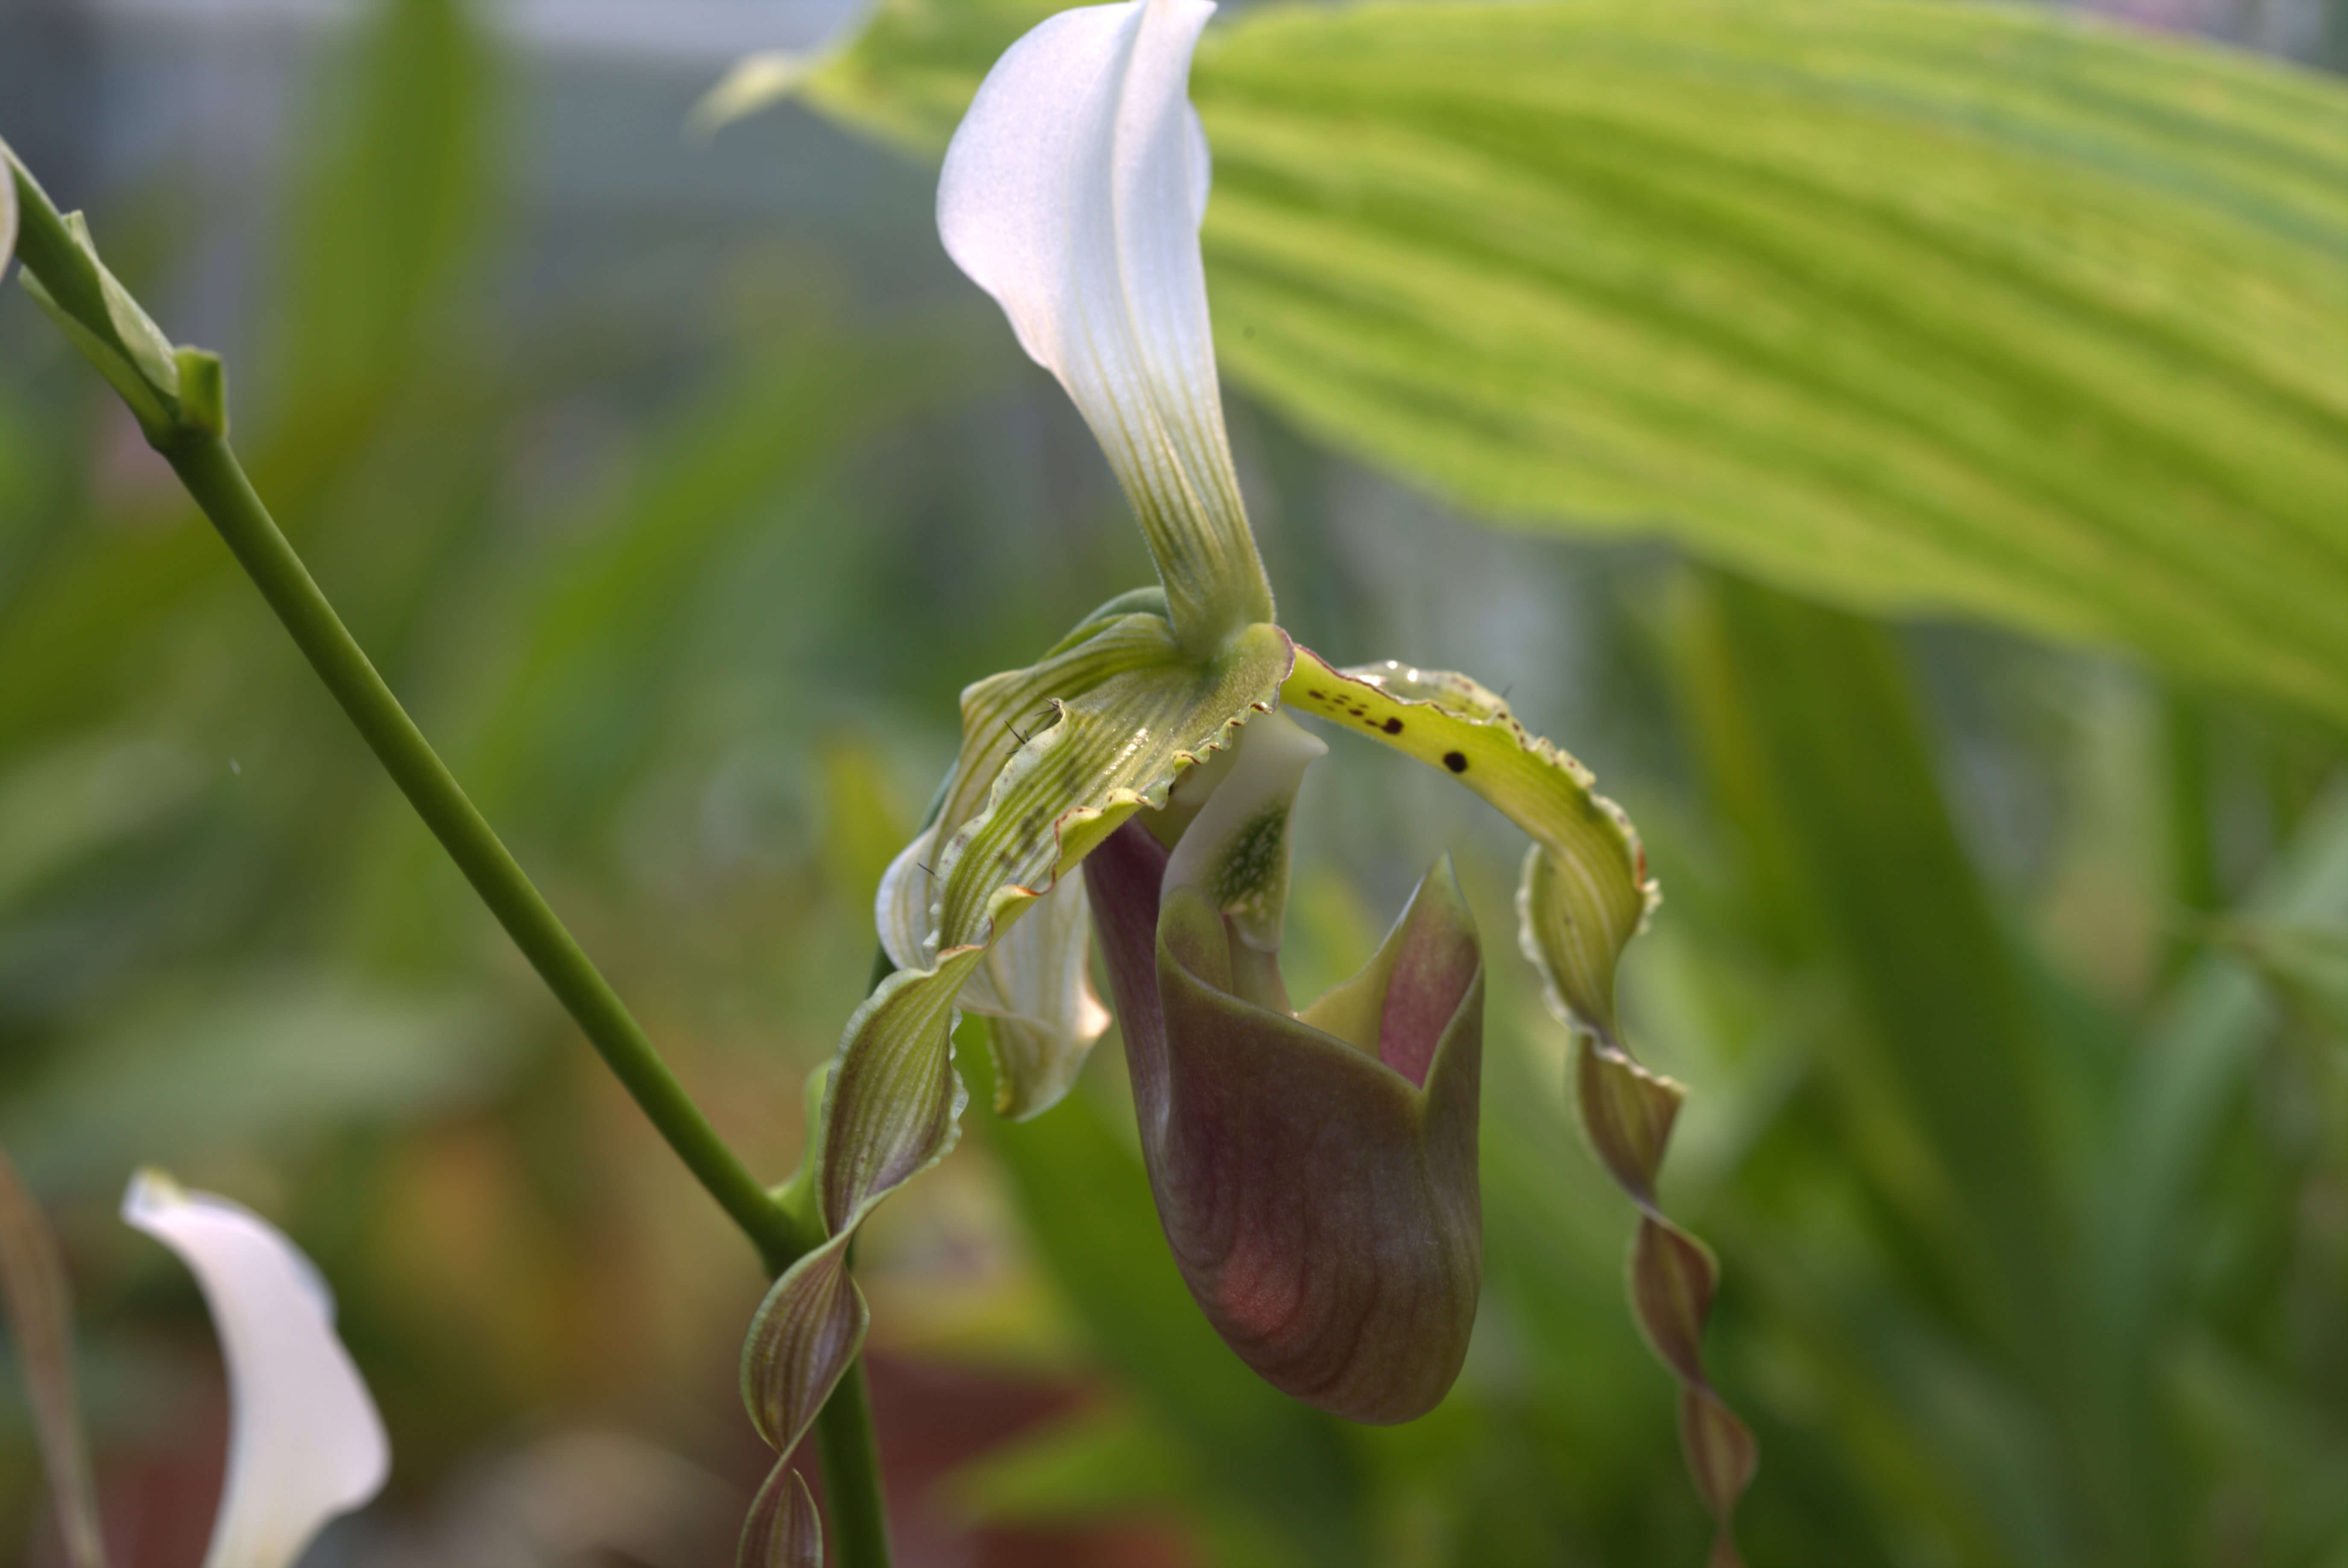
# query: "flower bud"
1315, 1175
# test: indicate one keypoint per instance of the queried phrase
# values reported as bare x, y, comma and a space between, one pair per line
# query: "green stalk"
186, 423
852, 1469
213, 477
851, 1473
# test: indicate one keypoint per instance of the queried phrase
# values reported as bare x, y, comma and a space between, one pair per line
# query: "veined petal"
784, 1531
305, 1443
1072, 193
1121, 666
895, 1099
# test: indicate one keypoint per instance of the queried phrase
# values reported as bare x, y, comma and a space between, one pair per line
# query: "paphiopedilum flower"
305, 1443
1073, 194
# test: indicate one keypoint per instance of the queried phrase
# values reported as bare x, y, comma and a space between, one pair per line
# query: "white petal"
904, 911
305, 1443
1073, 192
1035, 982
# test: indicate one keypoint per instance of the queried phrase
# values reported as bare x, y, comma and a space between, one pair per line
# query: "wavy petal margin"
1585, 893
894, 1102
1036, 979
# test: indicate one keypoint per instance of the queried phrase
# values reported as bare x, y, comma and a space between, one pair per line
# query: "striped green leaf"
1917, 307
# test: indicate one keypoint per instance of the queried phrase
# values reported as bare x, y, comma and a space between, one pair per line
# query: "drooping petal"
1585, 893
305, 1443
1072, 193
1035, 981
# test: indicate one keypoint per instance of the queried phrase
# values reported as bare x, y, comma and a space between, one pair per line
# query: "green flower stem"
851, 1470
851, 1473
213, 477
184, 419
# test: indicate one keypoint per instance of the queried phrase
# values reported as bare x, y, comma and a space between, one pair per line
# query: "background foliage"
679, 487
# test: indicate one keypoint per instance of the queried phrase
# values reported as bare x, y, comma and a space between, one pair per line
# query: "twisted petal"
784, 1531
1585, 895
1072, 193
1035, 982
305, 1443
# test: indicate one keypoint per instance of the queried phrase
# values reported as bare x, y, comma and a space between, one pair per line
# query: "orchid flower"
305, 1443
1315, 1172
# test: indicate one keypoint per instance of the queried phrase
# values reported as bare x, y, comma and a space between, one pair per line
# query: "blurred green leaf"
37, 1309
2304, 962
65, 804
1102, 1460
391, 195
1812, 734
1919, 306
247, 1063
1807, 717
2184, 1079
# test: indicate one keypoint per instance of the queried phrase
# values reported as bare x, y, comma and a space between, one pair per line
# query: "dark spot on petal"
1316, 696
1394, 726
1456, 761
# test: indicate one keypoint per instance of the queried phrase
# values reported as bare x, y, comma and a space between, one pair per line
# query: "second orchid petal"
305, 1443
1035, 982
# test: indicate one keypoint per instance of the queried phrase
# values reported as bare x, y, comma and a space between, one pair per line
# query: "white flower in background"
305, 1443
